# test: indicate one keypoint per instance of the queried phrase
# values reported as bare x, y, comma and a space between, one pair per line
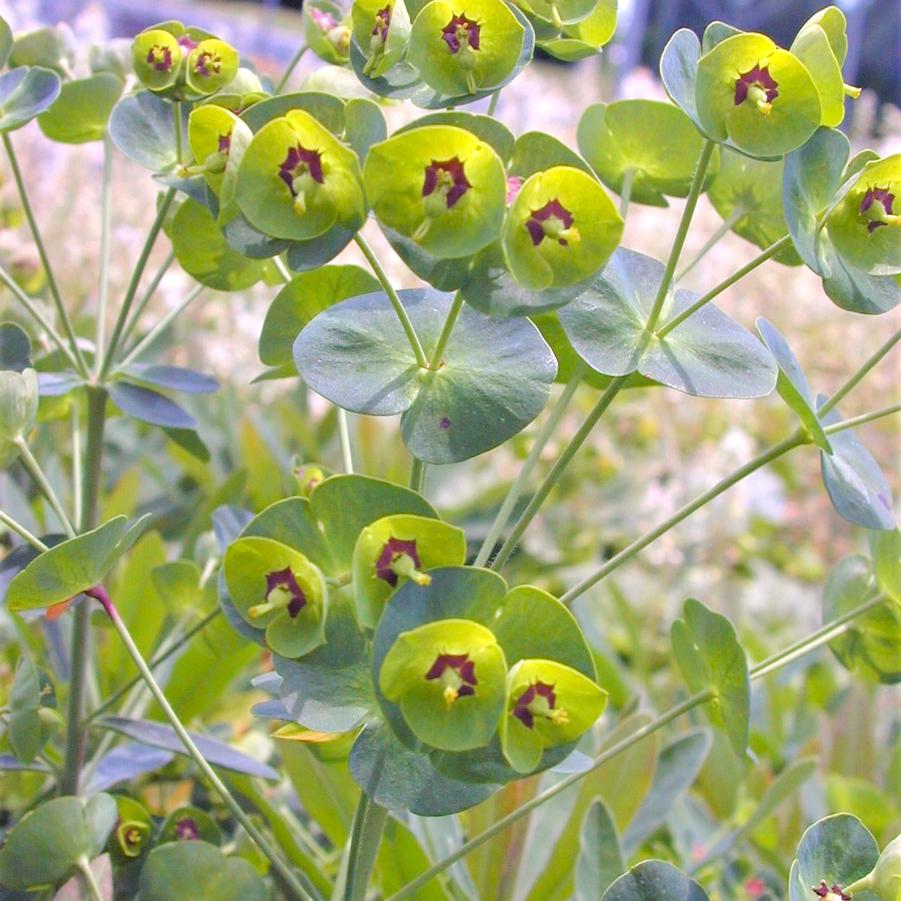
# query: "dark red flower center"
523, 711
186, 830
286, 580
160, 58
382, 23
833, 894
757, 83
876, 204
208, 64
299, 162
457, 672
553, 220
393, 549
224, 143
461, 31
447, 178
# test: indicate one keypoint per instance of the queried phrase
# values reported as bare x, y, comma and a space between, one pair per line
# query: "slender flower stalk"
43, 484
551, 479
725, 227
388, 288
103, 286
124, 310
38, 317
80, 364
289, 878
138, 349
768, 456
691, 203
737, 276
519, 483
138, 309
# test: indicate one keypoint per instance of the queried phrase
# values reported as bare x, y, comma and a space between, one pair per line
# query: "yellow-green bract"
865, 226
297, 180
462, 46
758, 95
560, 229
439, 185
548, 704
397, 548
449, 678
276, 588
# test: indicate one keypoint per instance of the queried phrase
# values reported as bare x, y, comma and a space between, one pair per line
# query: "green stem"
421, 359
492, 103
557, 471
852, 383
22, 532
855, 421
417, 475
135, 352
759, 260
812, 642
768, 456
33, 468
625, 192
691, 203
37, 316
725, 227
344, 437
365, 837
684, 512
449, 323
109, 356
177, 126
278, 865
80, 364
80, 642
817, 639
103, 288
84, 869
291, 67
141, 305
159, 660
519, 483
283, 270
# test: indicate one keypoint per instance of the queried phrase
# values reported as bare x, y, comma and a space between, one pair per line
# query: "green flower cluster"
185, 63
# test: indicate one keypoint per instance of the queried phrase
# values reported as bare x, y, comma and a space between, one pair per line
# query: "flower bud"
18, 409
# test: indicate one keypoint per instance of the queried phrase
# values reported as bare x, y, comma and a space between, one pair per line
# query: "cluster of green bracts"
470, 677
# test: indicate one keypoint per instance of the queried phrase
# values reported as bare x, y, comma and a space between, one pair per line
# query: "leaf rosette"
439, 185
297, 181
560, 229
459, 47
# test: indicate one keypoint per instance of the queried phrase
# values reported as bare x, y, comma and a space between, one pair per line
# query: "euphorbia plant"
407, 671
